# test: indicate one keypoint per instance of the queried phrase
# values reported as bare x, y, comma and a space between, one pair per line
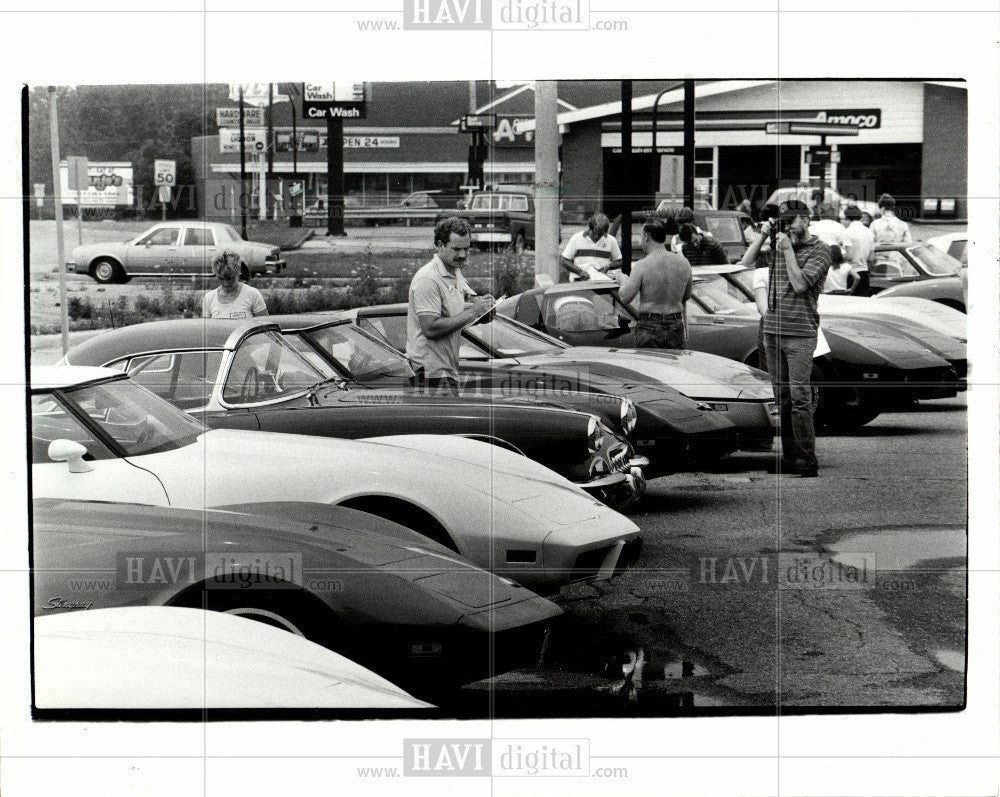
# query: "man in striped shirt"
593, 251
799, 263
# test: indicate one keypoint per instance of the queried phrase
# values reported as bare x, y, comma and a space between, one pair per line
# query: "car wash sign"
327, 100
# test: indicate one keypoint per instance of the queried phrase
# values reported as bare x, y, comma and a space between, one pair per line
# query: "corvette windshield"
266, 367
137, 419
507, 339
363, 357
718, 297
935, 262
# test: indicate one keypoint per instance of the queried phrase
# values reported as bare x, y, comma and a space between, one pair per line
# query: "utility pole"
57, 197
547, 179
334, 175
243, 170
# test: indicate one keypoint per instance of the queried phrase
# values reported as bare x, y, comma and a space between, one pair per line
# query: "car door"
199, 248
109, 478
156, 252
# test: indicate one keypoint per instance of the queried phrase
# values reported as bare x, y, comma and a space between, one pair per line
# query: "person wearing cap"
593, 251
662, 281
441, 304
798, 263
697, 246
889, 230
685, 218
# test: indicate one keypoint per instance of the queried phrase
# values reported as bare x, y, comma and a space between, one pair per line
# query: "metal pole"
270, 146
243, 172
295, 146
335, 175
57, 197
689, 142
79, 217
626, 227
547, 179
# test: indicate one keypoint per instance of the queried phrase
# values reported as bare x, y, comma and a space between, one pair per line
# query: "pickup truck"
502, 219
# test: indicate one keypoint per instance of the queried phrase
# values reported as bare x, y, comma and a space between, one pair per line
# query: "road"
719, 601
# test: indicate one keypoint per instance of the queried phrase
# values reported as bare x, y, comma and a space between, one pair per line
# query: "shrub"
79, 307
511, 274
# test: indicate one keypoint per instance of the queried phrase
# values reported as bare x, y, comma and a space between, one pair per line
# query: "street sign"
346, 100
254, 138
79, 173
230, 117
165, 173
477, 121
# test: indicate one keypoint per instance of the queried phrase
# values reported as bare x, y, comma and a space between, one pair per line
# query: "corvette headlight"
628, 415
595, 434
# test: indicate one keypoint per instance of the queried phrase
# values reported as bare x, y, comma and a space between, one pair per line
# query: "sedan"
97, 435
183, 248
244, 374
373, 591
869, 368
161, 658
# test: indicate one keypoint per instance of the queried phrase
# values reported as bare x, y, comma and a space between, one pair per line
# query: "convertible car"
169, 658
371, 590
96, 435
868, 369
244, 374
507, 352
670, 430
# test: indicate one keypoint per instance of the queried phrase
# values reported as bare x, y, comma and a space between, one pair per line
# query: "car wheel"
106, 271
840, 409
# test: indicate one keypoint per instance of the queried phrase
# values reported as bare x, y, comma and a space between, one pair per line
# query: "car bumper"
587, 551
486, 237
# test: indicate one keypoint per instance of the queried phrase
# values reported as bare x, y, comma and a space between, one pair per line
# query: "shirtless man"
662, 281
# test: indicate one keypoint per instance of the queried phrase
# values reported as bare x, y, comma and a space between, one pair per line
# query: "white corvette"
98, 436
168, 657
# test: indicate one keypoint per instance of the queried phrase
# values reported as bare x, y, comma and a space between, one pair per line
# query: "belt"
665, 316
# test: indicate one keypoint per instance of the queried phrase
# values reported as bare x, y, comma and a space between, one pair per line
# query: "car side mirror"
70, 452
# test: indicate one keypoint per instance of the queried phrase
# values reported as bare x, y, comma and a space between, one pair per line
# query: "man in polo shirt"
798, 264
592, 252
441, 304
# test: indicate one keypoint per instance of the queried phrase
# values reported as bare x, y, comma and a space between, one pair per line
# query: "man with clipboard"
441, 304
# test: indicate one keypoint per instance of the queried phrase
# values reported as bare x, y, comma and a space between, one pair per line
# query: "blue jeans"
789, 361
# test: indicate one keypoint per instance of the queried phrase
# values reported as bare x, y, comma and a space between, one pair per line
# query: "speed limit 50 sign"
165, 173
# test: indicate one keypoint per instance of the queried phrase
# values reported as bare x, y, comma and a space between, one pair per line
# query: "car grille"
588, 564
619, 458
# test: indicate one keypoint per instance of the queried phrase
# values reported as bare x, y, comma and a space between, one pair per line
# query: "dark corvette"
244, 374
869, 368
670, 429
376, 592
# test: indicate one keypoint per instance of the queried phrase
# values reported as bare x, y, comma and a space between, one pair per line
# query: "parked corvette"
579, 347
371, 590
243, 374
669, 429
869, 368
96, 435
914, 264
169, 658
931, 325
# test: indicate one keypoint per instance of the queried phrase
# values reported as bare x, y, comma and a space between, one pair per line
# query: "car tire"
840, 409
106, 271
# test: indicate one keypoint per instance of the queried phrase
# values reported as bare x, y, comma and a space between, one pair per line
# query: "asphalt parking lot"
730, 612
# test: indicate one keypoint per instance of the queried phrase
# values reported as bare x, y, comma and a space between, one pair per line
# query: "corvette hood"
942, 319
866, 342
695, 374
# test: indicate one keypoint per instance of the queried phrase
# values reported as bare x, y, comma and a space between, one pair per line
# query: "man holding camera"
798, 264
